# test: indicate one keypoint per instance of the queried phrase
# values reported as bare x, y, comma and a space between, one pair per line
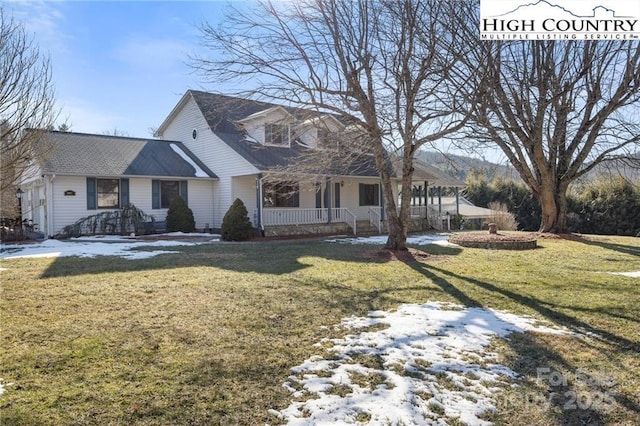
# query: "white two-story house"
247, 142
211, 149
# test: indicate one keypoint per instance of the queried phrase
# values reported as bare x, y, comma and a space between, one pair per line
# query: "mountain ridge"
460, 166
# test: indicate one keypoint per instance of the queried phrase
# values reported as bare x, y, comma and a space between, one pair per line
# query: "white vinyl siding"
201, 201
244, 187
350, 195
213, 152
68, 209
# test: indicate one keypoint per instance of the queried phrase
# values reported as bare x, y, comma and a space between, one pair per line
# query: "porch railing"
281, 216
375, 217
299, 216
437, 219
418, 212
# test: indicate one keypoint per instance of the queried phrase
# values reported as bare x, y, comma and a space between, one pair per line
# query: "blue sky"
118, 64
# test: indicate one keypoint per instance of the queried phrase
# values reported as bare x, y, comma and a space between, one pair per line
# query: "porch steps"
364, 228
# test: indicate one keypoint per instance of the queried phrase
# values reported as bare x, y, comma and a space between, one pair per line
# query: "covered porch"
429, 199
336, 204
288, 221
345, 204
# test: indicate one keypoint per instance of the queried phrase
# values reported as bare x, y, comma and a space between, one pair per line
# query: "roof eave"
99, 175
263, 113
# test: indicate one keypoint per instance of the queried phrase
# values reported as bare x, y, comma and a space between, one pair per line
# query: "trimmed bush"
180, 217
236, 225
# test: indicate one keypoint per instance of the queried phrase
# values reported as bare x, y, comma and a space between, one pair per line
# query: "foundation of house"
312, 229
362, 228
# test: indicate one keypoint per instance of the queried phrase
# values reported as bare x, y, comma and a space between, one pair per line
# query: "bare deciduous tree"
381, 66
116, 132
557, 109
26, 101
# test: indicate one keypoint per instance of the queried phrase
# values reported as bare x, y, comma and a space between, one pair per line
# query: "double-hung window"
276, 134
281, 195
369, 194
107, 193
163, 192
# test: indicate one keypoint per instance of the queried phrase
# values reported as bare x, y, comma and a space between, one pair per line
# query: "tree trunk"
398, 223
553, 202
397, 239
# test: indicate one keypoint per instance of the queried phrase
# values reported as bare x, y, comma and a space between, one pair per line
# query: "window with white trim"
369, 194
108, 191
281, 194
276, 134
163, 192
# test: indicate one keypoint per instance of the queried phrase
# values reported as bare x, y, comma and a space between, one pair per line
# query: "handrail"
351, 220
375, 214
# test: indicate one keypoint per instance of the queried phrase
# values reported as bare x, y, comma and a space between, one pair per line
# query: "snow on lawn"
124, 246
416, 366
3, 385
97, 246
635, 274
420, 240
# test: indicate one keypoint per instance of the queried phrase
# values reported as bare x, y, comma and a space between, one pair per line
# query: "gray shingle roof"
102, 155
434, 176
222, 112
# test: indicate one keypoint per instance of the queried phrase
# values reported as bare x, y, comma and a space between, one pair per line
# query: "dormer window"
276, 134
326, 139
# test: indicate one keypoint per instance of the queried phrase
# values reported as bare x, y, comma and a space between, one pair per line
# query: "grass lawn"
208, 335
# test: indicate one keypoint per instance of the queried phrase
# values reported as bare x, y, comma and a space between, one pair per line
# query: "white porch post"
426, 200
329, 199
259, 200
381, 201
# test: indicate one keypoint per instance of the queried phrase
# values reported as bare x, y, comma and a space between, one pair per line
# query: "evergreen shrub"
180, 217
236, 225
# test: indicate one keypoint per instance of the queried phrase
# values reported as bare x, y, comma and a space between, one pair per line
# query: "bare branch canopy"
380, 66
26, 101
557, 109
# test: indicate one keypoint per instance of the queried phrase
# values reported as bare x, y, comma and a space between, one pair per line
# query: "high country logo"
560, 19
